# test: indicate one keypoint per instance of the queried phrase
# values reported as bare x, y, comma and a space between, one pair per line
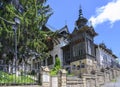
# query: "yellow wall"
90, 65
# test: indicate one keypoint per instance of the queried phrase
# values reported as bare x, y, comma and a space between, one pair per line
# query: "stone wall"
54, 81
87, 80
100, 79
73, 81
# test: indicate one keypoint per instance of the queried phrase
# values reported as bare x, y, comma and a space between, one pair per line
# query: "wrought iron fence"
18, 75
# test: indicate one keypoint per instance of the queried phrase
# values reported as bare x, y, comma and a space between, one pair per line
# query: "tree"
33, 14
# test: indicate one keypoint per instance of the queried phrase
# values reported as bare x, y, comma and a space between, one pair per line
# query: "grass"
113, 80
70, 74
12, 78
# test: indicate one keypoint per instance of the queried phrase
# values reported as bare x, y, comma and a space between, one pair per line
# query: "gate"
21, 74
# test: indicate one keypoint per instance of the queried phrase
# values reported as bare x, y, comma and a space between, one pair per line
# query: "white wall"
58, 51
100, 52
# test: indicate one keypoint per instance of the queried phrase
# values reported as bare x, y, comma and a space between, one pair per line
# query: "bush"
10, 78
56, 68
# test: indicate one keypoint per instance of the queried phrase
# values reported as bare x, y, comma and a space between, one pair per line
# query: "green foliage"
113, 80
33, 14
11, 78
70, 74
57, 64
56, 68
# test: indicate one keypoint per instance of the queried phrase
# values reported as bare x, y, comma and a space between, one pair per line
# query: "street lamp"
15, 26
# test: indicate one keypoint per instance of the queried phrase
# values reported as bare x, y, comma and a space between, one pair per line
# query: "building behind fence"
43, 77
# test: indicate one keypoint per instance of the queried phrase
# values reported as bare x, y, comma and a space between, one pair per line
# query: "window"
50, 60
44, 62
105, 58
82, 65
78, 67
77, 50
74, 67
73, 51
56, 56
80, 52
66, 57
89, 47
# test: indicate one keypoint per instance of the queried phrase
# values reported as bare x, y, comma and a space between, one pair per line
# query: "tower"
82, 46
81, 20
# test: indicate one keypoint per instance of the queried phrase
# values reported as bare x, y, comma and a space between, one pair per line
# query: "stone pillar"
117, 73
110, 74
84, 82
114, 74
54, 81
62, 78
96, 80
104, 74
45, 76
100, 77
84, 76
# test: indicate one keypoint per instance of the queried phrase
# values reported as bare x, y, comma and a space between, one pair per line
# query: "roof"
86, 29
64, 29
103, 46
48, 28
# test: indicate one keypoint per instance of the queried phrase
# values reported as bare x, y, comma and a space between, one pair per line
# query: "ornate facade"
77, 50
104, 56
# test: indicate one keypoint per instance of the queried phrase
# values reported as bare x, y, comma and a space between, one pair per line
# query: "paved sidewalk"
113, 84
23, 86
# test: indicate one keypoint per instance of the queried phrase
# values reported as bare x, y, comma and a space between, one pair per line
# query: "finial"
65, 22
91, 24
80, 12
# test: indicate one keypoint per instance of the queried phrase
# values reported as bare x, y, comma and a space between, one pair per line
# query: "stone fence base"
87, 80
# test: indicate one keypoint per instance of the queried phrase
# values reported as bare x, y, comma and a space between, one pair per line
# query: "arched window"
78, 67
82, 65
50, 60
56, 56
89, 47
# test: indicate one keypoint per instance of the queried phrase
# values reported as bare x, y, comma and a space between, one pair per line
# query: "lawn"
12, 78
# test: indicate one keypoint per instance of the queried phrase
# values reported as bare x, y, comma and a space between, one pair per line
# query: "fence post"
62, 78
96, 80
45, 76
84, 76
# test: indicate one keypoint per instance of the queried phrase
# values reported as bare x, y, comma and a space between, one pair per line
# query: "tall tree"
33, 14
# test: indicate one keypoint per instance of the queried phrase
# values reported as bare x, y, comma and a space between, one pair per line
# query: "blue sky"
104, 14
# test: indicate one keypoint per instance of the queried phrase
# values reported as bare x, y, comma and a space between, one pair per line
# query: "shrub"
56, 68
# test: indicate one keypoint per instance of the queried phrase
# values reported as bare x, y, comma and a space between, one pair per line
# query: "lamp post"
15, 26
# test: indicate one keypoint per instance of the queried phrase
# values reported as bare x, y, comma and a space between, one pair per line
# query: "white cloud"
109, 12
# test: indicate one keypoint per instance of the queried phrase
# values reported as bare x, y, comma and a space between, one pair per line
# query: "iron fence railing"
18, 75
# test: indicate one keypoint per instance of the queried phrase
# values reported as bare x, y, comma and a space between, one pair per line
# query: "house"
81, 47
77, 51
56, 45
105, 57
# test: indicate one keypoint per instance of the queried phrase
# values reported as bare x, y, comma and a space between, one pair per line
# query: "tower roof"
80, 13
81, 20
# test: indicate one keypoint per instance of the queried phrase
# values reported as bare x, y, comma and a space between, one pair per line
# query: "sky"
103, 14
